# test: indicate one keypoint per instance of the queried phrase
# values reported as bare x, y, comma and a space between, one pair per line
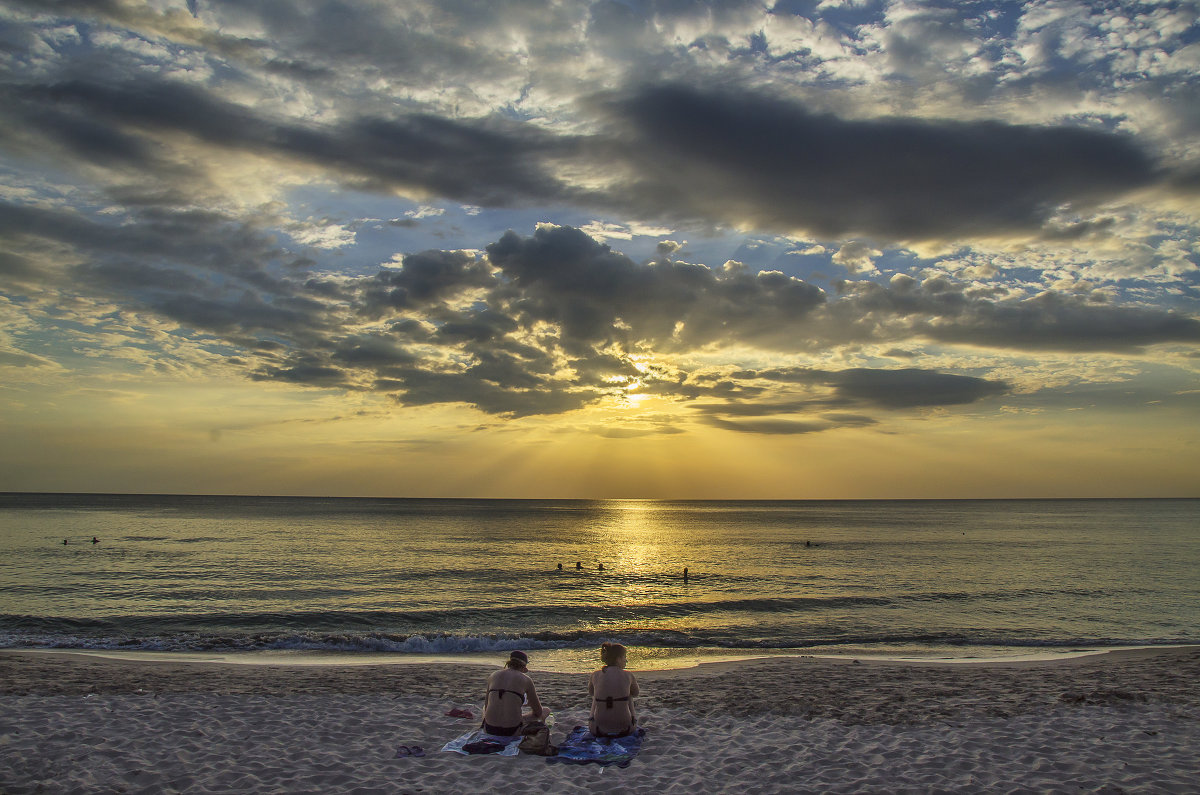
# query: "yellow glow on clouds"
237, 437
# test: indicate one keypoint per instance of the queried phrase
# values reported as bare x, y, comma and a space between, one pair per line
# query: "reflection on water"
440, 576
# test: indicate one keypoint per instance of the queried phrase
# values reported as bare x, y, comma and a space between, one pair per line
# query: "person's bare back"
612, 689
508, 690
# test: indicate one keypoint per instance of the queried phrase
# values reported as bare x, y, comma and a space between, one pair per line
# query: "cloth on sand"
477, 741
581, 748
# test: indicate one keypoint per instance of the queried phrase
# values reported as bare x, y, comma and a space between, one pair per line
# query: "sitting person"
509, 689
612, 689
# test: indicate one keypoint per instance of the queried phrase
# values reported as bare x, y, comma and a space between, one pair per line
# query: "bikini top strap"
608, 700
502, 691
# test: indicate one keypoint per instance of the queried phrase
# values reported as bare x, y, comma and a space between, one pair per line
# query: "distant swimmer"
685, 573
601, 567
64, 542
95, 540
578, 565
560, 567
808, 543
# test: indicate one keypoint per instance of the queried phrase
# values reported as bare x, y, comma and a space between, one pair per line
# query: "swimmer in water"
601, 567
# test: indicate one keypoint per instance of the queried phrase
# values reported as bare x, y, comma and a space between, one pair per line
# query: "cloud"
487, 161
673, 152
911, 388
751, 158
556, 320
781, 426
598, 296
771, 427
889, 390
857, 257
634, 432
10, 357
425, 277
862, 388
943, 310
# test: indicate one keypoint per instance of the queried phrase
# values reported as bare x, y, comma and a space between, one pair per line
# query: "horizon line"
580, 499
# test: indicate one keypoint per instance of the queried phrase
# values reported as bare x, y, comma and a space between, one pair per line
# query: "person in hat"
509, 689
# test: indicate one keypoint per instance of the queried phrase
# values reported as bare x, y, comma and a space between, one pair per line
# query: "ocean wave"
748, 612
434, 617
1014, 594
450, 643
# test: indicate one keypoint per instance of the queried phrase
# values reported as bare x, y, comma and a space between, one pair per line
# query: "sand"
1116, 722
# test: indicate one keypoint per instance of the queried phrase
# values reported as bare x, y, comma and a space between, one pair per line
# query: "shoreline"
1119, 720
1171, 673
580, 661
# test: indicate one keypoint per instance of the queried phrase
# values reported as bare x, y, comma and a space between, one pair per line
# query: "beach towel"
477, 741
581, 748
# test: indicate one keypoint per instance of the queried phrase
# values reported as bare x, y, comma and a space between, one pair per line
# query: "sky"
612, 249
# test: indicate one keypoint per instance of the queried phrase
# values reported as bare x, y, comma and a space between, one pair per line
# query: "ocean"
253, 578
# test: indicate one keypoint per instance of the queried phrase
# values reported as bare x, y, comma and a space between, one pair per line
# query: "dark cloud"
693, 149
371, 351
425, 387
308, 374
1053, 321
129, 277
553, 321
96, 143
851, 420
189, 241
16, 268
942, 310
770, 427
625, 432
889, 389
862, 388
676, 152
782, 426
600, 296
911, 388
489, 161
426, 277
741, 156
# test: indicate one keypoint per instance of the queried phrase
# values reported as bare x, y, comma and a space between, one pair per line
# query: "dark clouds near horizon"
553, 321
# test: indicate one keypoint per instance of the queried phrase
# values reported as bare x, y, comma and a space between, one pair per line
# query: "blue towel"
581, 748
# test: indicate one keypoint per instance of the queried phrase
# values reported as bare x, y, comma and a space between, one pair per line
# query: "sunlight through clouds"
657, 249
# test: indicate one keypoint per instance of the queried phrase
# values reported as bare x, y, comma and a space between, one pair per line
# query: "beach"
1121, 721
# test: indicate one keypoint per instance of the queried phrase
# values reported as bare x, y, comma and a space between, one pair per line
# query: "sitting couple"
611, 688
